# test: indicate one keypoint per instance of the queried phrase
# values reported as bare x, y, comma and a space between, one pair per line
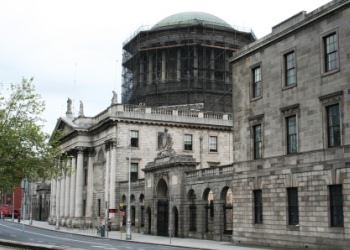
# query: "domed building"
182, 60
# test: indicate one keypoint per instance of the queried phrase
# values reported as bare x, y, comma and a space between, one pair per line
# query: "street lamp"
128, 222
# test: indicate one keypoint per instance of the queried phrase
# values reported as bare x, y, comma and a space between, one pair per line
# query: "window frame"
213, 145
134, 138
188, 144
257, 142
256, 78
258, 206
333, 130
336, 211
330, 50
134, 175
293, 206
291, 137
290, 69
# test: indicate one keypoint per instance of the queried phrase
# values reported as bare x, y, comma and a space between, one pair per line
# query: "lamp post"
128, 222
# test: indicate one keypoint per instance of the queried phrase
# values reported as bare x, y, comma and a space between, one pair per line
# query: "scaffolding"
181, 65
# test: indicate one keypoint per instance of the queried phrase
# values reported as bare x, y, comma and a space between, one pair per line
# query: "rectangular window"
333, 125
134, 170
188, 142
336, 205
291, 134
293, 209
258, 214
257, 141
213, 144
290, 69
256, 72
134, 134
331, 52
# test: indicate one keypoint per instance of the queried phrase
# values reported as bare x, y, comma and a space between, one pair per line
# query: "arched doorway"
162, 209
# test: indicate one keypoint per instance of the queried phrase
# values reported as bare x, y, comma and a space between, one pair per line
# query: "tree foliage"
25, 150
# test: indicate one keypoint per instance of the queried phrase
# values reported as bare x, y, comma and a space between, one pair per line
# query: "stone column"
141, 76
72, 191
163, 66
79, 188
178, 65
58, 199
201, 217
62, 198
113, 164
53, 201
67, 192
150, 69
195, 64
218, 219
212, 65
107, 177
90, 187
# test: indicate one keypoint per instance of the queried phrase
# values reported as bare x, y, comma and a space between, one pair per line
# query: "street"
24, 233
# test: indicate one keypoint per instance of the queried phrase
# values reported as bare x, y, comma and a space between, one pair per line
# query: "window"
188, 142
293, 210
290, 69
213, 144
291, 134
134, 169
99, 207
257, 141
333, 125
258, 215
257, 88
134, 138
331, 52
336, 205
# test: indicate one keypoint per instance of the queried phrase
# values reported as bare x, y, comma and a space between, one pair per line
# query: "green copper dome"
191, 18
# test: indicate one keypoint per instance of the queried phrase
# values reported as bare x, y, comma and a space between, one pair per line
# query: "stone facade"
274, 173
287, 137
98, 152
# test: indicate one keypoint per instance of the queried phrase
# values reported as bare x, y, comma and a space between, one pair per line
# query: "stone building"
100, 151
291, 133
275, 172
182, 59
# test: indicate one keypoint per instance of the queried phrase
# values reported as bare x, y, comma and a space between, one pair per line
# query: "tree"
25, 150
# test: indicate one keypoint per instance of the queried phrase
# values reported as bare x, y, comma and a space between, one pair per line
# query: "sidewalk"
145, 238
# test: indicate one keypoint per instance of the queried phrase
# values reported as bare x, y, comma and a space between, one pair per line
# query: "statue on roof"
81, 109
114, 98
69, 108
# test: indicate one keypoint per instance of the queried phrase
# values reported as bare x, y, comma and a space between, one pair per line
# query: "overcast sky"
73, 48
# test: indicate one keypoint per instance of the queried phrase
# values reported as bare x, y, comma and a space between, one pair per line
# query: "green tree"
25, 150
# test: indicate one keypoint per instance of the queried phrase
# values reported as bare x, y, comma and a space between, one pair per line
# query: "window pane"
291, 134
258, 215
257, 82
134, 138
188, 142
213, 144
290, 69
333, 125
331, 52
293, 210
257, 141
336, 205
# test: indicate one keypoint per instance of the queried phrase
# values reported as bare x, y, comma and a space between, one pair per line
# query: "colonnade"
72, 190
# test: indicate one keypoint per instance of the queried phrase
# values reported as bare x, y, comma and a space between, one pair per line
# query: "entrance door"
162, 217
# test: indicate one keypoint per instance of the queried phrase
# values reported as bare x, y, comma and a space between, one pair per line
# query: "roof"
191, 18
